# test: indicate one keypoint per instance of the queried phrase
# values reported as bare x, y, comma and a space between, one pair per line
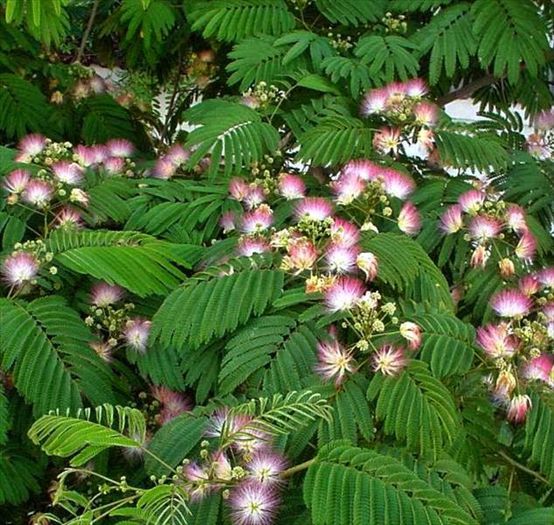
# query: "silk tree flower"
368, 264
257, 220
511, 303
344, 293
529, 285
546, 277
396, 92
302, 255
103, 350
479, 257
265, 467
526, 247
314, 209
515, 218
291, 186
389, 360
426, 139
341, 259
387, 140
409, 220
68, 172
17, 181
103, 294
221, 466
100, 153
114, 165
120, 148
375, 101
348, 188
255, 196
238, 188
223, 423
30, 146
164, 169
253, 504
227, 221
199, 480
363, 169
397, 184
497, 341
84, 155
451, 220
518, 408
68, 218
79, 196
416, 88
248, 246
539, 368
426, 114
38, 193
334, 361
173, 403
484, 227
177, 155
344, 232
504, 386
471, 201
136, 333
544, 120
506, 267
412, 333
20, 268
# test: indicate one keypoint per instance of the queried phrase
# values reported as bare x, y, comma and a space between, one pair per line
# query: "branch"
522, 467
88, 29
297, 468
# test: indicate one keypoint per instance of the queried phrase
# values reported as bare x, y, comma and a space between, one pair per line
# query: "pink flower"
344, 232
362, 169
510, 303
238, 188
506, 267
314, 209
114, 165
515, 218
544, 120
395, 91
340, 258
484, 227
348, 188
136, 333
409, 220
257, 220
367, 262
173, 403
389, 360
496, 340
334, 361
344, 293
291, 186
479, 257
17, 181
426, 139
412, 333
100, 153
120, 148
546, 277
199, 479
471, 201
265, 467
416, 87
529, 285
68, 172
84, 155
32, 145
397, 184
164, 169
222, 423
38, 193
518, 408
20, 268
387, 140
302, 255
177, 155
248, 246
104, 294
253, 504
79, 196
222, 468
227, 221
426, 114
526, 247
103, 350
68, 217
539, 368
374, 101
451, 219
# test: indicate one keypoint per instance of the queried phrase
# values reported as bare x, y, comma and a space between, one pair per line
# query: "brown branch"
88, 29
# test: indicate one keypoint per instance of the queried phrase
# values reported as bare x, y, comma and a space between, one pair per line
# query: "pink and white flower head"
255, 196
511, 303
79, 196
529, 285
515, 218
344, 294
291, 186
84, 155
227, 221
396, 91
173, 403
223, 423
103, 350
334, 361
341, 259
387, 140
506, 267
253, 504
544, 120
20, 268
136, 333
68, 218
104, 294
548, 311
248, 246
68, 172
451, 220
314, 209
238, 188
257, 220
518, 408
177, 155
389, 360
409, 220
484, 227
99, 153
221, 466
31, 145
265, 467
539, 368
526, 247
120, 148
17, 181
479, 257
199, 479
363, 169
164, 169
426, 114
426, 140
497, 341
38, 193
397, 184
546, 277
416, 88
412, 333
375, 101
348, 188
114, 165
302, 255
368, 264
344, 232
471, 201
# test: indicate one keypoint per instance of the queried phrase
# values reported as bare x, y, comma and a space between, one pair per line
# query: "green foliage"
19, 475
350, 11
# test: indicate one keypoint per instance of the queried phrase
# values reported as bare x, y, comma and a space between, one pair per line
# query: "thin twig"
88, 29
523, 468
298, 468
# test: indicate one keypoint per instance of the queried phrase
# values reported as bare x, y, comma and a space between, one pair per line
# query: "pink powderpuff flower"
223, 423
20, 268
546, 277
340, 258
518, 408
314, 209
17, 181
497, 341
291, 186
368, 264
511, 303
254, 197
334, 361
100, 153
484, 227
248, 246
302, 255
114, 165
412, 333
199, 480
68, 218
120, 148
104, 294
506, 267
479, 257
265, 468
375, 101
177, 155
387, 140
32, 145
396, 92
397, 184
471, 201
344, 232
426, 114
344, 294
103, 350
238, 188
164, 169
452, 220
227, 221
38, 193
173, 403
426, 139
416, 88
529, 285
389, 360
136, 333
253, 504
221, 466
539, 368
409, 220
84, 155
544, 120
526, 247
363, 169
515, 218
79, 196
257, 220
68, 172
348, 188
548, 310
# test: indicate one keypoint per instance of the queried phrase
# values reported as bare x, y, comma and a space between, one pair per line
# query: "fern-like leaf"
19, 475
351, 12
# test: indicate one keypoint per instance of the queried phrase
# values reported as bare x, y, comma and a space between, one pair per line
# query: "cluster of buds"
520, 345
113, 323
262, 96
493, 227
201, 67
541, 142
401, 104
394, 24
339, 42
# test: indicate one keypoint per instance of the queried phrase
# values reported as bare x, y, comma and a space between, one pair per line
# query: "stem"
298, 468
88, 29
523, 468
